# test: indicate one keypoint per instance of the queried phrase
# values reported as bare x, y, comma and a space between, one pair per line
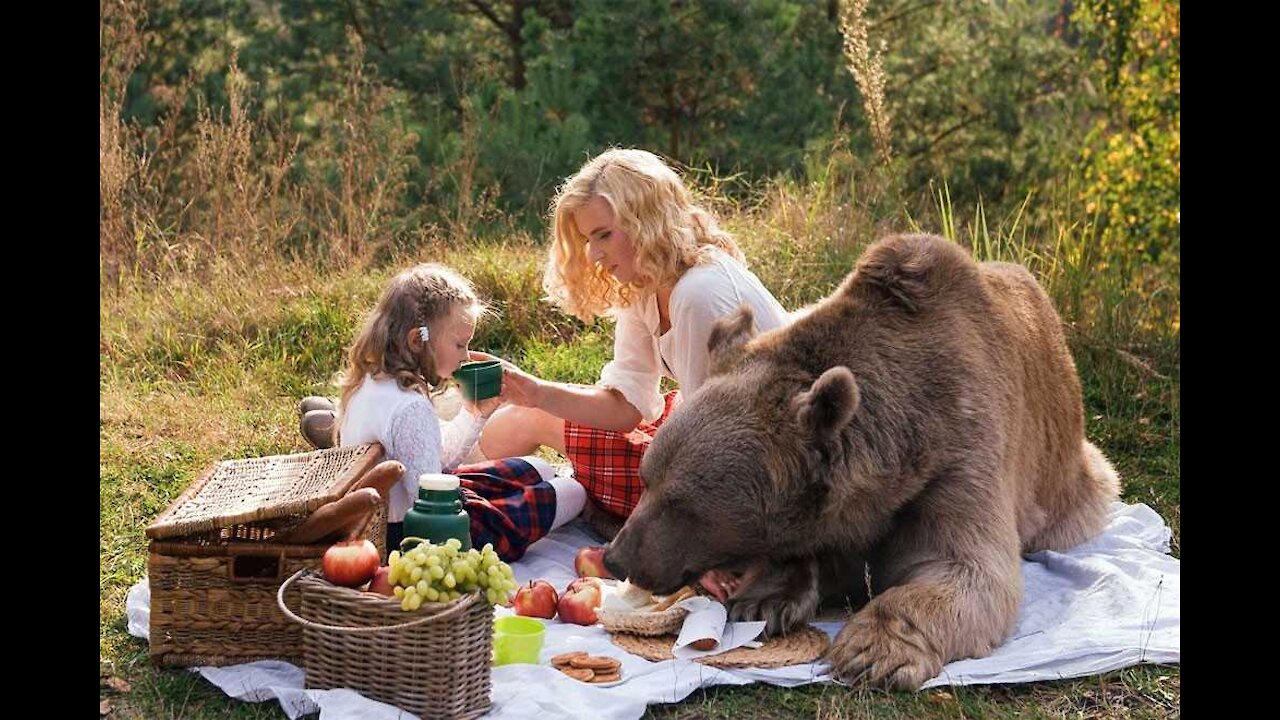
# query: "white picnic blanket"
1104, 605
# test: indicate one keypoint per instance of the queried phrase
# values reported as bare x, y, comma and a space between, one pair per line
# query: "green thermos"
437, 514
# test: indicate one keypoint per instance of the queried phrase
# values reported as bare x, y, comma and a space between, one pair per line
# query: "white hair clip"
424, 333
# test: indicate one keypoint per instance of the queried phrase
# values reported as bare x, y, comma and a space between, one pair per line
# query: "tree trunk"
673, 121
515, 35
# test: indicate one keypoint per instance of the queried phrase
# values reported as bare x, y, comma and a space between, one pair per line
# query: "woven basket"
643, 623
435, 665
213, 567
254, 498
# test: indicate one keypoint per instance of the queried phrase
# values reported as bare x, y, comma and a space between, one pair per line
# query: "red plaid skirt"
509, 503
607, 463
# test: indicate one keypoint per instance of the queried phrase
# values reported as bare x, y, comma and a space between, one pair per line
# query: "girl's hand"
484, 408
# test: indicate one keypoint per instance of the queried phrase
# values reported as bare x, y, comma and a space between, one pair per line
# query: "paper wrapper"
707, 618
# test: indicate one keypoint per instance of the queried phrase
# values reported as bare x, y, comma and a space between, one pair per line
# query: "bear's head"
740, 471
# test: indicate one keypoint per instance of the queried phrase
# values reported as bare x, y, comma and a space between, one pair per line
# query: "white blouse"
642, 355
410, 431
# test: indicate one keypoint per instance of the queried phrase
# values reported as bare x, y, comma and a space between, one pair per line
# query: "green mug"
480, 379
517, 639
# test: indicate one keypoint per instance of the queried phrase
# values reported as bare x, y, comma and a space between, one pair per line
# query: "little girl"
409, 345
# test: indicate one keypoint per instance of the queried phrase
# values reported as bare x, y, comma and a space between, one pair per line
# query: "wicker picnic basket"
434, 662
214, 569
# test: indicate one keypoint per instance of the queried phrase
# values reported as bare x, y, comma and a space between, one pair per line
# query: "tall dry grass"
224, 188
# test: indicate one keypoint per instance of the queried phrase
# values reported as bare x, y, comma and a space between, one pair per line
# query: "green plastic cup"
480, 379
517, 639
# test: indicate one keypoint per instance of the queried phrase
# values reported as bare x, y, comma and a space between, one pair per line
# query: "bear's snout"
613, 563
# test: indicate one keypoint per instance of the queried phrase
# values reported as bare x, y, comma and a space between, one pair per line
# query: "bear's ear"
828, 405
897, 268
728, 336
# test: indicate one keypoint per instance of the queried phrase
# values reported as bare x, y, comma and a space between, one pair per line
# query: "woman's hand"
519, 387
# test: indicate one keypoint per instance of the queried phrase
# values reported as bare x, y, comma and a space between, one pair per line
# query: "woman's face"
607, 245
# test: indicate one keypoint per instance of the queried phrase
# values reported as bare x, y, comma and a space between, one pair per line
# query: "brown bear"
925, 417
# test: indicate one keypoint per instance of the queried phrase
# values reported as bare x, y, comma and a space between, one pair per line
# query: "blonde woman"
628, 241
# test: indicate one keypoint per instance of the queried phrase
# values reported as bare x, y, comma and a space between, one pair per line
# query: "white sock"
542, 466
571, 497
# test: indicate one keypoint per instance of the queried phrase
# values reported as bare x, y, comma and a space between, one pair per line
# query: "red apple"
379, 584
351, 563
589, 562
536, 599
579, 601
576, 583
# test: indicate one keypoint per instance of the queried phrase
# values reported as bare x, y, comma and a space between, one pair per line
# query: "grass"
192, 371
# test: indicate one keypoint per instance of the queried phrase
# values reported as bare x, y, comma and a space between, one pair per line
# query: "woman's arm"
599, 407
627, 391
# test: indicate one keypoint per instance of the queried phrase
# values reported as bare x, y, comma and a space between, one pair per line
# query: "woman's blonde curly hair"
671, 233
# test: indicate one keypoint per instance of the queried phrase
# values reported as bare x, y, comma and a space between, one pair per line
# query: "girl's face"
607, 244
450, 337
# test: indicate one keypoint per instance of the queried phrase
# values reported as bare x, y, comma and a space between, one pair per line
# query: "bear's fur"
925, 417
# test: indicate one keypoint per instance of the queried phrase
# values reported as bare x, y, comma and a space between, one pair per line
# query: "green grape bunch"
443, 573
